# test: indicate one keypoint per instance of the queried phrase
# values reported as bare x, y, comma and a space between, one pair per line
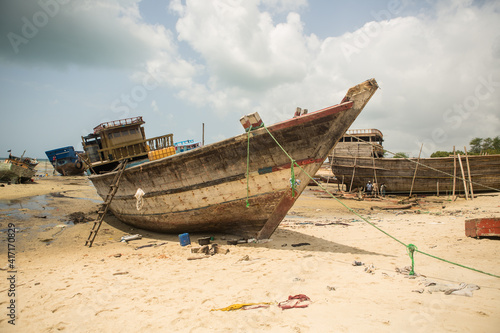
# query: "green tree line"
478, 146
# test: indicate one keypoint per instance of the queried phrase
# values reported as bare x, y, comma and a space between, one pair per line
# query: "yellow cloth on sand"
239, 306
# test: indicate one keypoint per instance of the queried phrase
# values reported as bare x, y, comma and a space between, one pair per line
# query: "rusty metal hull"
206, 189
70, 169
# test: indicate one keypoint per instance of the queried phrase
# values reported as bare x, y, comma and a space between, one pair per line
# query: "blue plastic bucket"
184, 239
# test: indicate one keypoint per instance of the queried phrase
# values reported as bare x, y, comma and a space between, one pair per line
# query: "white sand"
64, 286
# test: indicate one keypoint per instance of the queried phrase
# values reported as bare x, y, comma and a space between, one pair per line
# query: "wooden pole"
416, 167
437, 188
374, 171
353, 171
203, 135
463, 178
468, 172
454, 174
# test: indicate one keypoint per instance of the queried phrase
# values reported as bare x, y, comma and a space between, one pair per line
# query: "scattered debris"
150, 245
244, 306
196, 258
128, 238
370, 269
406, 271
120, 273
330, 288
204, 241
357, 263
297, 301
46, 240
300, 244
208, 250
78, 217
462, 289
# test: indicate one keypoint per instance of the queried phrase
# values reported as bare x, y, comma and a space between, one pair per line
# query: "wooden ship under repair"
214, 188
359, 158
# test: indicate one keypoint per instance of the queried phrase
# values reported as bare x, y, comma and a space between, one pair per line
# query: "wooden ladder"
105, 205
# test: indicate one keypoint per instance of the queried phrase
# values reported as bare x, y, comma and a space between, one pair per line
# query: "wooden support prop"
416, 167
437, 185
374, 172
353, 171
463, 178
470, 177
454, 174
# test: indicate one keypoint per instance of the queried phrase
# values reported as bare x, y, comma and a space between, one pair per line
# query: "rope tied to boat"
410, 247
248, 165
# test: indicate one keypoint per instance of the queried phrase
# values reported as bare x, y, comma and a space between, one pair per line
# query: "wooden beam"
454, 174
468, 172
463, 178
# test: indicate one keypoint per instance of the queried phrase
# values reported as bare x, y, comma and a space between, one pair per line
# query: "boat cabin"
360, 143
113, 141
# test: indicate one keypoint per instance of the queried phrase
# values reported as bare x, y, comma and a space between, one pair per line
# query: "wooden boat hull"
397, 173
206, 189
15, 173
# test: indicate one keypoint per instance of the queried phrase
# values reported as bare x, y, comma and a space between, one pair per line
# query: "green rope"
410, 247
248, 165
292, 179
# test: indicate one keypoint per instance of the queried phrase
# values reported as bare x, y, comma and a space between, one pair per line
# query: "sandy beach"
149, 284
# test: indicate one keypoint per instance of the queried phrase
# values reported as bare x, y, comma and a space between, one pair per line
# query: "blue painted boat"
66, 161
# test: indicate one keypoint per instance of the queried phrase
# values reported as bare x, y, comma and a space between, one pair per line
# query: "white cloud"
98, 33
255, 56
426, 65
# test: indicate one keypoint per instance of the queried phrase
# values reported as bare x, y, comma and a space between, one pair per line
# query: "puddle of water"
19, 208
89, 199
37, 202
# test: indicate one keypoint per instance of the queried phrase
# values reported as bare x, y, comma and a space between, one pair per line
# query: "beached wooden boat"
433, 175
17, 169
206, 189
66, 161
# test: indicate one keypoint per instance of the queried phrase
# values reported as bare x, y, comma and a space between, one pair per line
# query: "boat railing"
365, 131
135, 148
161, 142
121, 122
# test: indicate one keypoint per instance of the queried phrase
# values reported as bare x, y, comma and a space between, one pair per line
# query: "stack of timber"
241, 185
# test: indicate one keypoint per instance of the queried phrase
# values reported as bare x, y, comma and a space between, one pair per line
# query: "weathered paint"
205, 189
397, 173
482, 227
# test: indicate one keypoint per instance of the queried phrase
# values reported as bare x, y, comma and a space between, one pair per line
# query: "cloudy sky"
67, 65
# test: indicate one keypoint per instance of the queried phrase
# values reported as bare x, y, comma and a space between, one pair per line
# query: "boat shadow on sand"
282, 239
